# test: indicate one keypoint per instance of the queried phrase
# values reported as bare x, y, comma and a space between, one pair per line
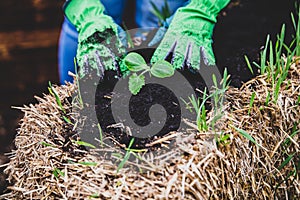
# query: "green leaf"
94, 196
53, 92
224, 138
251, 102
245, 134
214, 78
57, 172
135, 62
248, 64
126, 157
46, 144
100, 134
82, 143
286, 161
162, 69
157, 12
67, 119
136, 83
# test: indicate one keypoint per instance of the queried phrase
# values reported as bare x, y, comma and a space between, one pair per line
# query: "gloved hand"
99, 45
189, 36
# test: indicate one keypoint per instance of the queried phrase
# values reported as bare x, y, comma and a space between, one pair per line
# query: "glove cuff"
209, 8
82, 12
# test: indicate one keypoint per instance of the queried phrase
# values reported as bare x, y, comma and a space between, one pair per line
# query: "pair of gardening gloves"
102, 43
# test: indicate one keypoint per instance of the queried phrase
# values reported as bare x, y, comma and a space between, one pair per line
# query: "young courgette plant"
138, 66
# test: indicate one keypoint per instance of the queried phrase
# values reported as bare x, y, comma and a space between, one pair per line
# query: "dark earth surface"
241, 30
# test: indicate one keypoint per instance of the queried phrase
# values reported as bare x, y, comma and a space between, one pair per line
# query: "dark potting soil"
139, 109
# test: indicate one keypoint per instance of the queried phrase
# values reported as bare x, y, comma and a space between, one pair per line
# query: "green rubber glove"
98, 43
189, 37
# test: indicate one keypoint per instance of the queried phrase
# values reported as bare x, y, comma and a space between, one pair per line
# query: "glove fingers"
188, 57
171, 53
207, 55
92, 66
94, 63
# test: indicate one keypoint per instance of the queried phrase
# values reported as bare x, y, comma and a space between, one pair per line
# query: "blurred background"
29, 33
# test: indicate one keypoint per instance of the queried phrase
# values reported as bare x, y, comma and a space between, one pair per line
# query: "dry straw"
47, 164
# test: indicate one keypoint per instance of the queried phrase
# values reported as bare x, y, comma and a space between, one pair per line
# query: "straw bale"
200, 168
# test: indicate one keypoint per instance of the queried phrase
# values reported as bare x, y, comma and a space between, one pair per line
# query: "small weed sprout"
218, 98
274, 63
57, 173
53, 92
162, 14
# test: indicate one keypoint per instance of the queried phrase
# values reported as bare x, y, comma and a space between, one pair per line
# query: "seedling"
198, 105
129, 151
136, 63
223, 139
53, 92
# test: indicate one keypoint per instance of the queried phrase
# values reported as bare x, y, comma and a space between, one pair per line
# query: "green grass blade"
100, 134
249, 65
292, 173
46, 144
127, 155
268, 98
86, 144
286, 161
67, 120
245, 134
54, 93
166, 10
57, 172
271, 64
157, 12
264, 57
94, 196
294, 131
251, 102
78, 85
279, 45
88, 163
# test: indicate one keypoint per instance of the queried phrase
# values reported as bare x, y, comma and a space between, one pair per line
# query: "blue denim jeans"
144, 19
